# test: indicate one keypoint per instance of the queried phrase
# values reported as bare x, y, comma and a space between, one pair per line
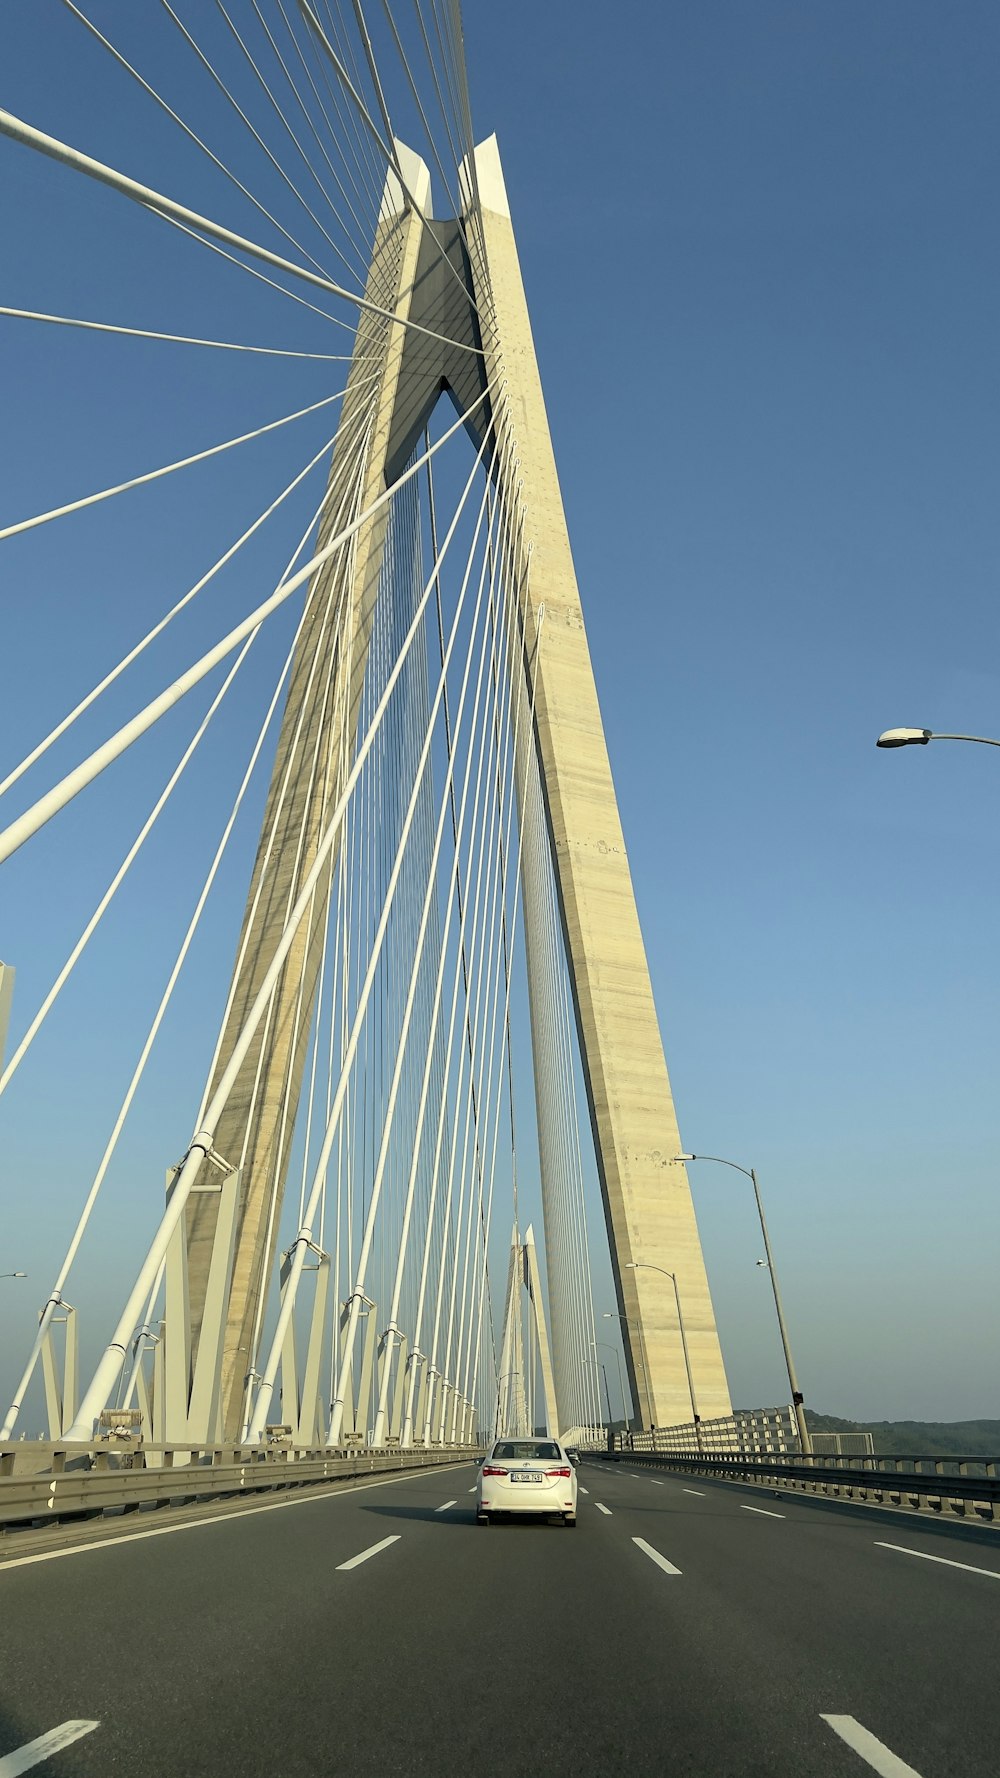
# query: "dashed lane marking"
444, 1507
945, 1561
606, 1510
697, 1491
654, 1556
372, 1550
220, 1518
34, 1752
875, 1752
584, 1490
762, 1510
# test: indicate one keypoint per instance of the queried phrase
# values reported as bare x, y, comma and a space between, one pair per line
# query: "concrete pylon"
647, 1199
460, 281
314, 754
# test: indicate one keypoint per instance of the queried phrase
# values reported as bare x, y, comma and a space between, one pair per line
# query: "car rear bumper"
525, 1500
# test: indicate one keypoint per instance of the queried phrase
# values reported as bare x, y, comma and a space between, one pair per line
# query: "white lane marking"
944, 1560
223, 1518
34, 1752
372, 1550
606, 1510
654, 1556
473, 1490
695, 1491
875, 1752
584, 1490
763, 1512
446, 1505
654, 1481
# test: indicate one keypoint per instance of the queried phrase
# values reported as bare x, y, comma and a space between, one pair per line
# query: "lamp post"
642, 1265
506, 1378
607, 1398
13, 1274
621, 1378
919, 737
798, 1401
616, 1315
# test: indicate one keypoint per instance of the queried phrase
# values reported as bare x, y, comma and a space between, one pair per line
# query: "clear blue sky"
761, 252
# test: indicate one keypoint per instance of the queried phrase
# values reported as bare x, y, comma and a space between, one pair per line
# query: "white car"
526, 1475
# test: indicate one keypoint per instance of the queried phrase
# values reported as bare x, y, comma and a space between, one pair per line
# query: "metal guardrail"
90, 1481
964, 1486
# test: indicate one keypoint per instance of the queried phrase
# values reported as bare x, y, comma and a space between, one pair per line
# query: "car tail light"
562, 1472
488, 1469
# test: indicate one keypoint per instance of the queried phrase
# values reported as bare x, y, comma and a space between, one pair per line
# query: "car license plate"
525, 1475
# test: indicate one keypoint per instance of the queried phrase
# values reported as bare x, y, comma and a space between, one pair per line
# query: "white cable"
389, 150
304, 1236
157, 630
55, 1295
347, 495
20, 131
179, 339
152, 475
255, 133
312, 126
371, 191
361, 257
192, 137
337, 607
121, 873
477, 974
14, 836
111, 1361
429, 898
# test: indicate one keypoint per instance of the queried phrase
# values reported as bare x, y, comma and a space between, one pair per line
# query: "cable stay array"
293, 1066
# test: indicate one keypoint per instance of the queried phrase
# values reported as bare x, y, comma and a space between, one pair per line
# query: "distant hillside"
909, 1438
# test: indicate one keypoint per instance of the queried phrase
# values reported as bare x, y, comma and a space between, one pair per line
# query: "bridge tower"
462, 326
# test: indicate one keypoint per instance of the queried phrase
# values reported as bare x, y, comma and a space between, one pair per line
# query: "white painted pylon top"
418, 180
489, 177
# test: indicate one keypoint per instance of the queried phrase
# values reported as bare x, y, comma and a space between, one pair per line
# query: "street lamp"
798, 1403
639, 1353
642, 1265
607, 1396
13, 1274
621, 1378
919, 737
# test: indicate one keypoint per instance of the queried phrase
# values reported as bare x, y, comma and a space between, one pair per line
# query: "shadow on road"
457, 1514
461, 1516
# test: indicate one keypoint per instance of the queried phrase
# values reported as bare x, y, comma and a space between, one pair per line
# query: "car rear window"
520, 1450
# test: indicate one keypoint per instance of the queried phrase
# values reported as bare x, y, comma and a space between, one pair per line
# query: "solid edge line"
372, 1550
21, 1759
654, 1556
946, 1561
880, 1757
223, 1518
762, 1510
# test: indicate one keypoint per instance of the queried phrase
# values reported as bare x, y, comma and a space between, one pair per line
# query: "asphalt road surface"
683, 1628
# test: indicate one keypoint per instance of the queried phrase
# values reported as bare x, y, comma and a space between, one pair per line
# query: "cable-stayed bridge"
329, 1047
439, 1000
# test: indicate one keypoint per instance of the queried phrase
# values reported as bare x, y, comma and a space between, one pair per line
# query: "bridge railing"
749, 1430
967, 1487
88, 1481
